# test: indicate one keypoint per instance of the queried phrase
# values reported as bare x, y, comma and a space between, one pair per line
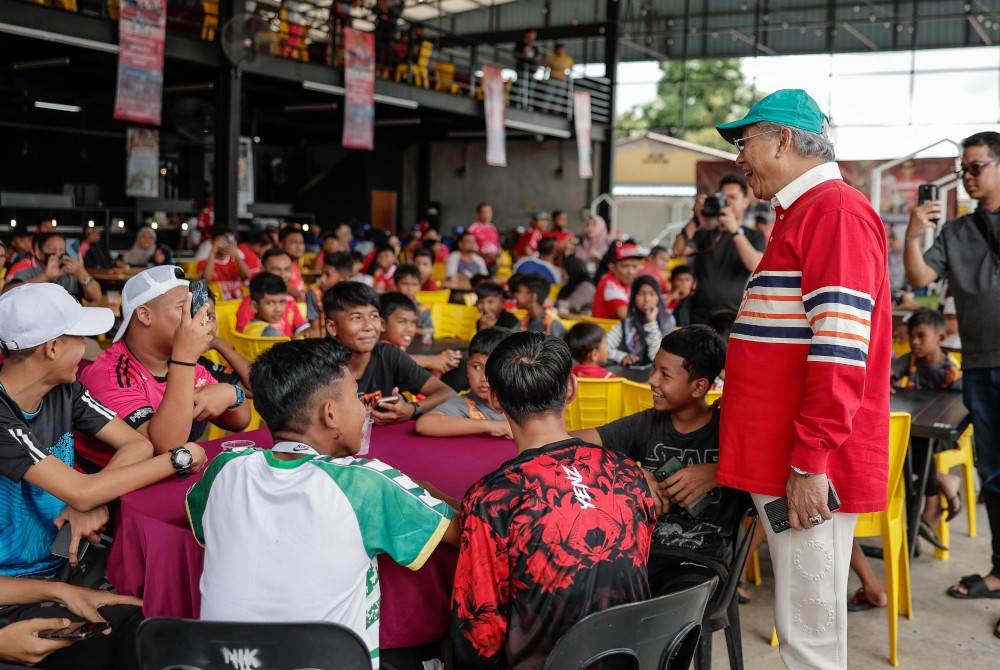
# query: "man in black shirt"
691, 541
381, 369
725, 251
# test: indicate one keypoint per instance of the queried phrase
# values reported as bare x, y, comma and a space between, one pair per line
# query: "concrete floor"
945, 633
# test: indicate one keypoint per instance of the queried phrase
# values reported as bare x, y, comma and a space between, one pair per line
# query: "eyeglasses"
741, 143
974, 168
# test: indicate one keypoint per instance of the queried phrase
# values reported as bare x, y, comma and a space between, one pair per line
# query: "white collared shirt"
794, 190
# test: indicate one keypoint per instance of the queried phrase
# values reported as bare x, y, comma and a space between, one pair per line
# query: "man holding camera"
50, 263
967, 252
725, 250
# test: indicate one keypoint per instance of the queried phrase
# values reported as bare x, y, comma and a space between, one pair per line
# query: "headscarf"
634, 322
138, 256
599, 243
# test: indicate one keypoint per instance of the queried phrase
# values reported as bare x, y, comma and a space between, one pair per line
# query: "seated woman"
634, 340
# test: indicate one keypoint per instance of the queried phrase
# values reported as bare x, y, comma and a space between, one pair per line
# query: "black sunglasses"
973, 168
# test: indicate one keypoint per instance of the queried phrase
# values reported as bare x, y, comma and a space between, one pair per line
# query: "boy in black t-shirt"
692, 535
382, 370
490, 303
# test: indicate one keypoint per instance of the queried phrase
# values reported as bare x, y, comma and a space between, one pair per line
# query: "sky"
878, 111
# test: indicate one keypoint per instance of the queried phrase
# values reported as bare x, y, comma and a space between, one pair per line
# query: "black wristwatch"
417, 410
182, 460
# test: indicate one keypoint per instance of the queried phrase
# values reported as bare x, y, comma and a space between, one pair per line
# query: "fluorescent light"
323, 88
54, 223
90, 223
154, 225
47, 36
121, 223
398, 102
184, 226
57, 107
13, 223
535, 128
340, 90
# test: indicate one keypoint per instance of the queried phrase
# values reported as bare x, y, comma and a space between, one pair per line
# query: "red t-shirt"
430, 285
611, 295
527, 244
487, 238
807, 365
228, 276
652, 271
591, 371
291, 324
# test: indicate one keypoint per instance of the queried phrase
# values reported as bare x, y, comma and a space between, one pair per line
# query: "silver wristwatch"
802, 473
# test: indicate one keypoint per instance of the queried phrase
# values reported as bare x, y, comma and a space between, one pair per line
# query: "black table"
940, 417
638, 375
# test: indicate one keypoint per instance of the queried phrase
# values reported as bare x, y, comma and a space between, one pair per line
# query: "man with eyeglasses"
806, 401
967, 252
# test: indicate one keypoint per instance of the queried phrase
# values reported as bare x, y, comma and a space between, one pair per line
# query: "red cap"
626, 251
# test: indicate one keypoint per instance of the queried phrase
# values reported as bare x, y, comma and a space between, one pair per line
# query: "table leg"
915, 490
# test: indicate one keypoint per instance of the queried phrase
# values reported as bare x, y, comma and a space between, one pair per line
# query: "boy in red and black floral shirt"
559, 532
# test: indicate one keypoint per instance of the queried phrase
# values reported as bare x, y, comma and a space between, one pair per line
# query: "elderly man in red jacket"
807, 398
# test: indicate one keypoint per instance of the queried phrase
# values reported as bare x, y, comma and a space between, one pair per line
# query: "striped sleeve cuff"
840, 318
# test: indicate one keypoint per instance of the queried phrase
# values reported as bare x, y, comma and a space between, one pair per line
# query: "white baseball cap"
145, 287
33, 314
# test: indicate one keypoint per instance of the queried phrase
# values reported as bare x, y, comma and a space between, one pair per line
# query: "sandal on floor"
859, 602
927, 533
975, 587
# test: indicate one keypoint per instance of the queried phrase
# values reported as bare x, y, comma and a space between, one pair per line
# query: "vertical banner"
244, 178
142, 167
359, 79
141, 28
493, 109
581, 121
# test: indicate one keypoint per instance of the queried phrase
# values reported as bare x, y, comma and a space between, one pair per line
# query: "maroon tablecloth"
155, 555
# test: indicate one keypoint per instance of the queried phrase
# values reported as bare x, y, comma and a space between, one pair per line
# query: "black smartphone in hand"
777, 510
199, 295
60, 546
78, 630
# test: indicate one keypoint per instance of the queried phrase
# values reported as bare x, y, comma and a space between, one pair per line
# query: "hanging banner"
493, 109
581, 121
359, 80
141, 28
142, 167
244, 179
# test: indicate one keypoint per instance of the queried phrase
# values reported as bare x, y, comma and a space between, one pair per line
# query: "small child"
269, 299
385, 269
238, 371
635, 339
294, 243
358, 272
530, 292
407, 279
588, 343
927, 366
424, 260
681, 288
490, 300
399, 319
611, 295
471, 414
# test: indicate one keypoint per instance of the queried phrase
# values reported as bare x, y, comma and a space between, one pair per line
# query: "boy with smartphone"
677, 443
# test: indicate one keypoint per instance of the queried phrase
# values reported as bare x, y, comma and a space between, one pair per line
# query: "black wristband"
171, 361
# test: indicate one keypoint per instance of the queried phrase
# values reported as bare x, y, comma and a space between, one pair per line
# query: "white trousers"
810, 590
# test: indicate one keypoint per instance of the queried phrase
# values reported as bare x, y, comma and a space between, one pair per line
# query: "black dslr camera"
714, 205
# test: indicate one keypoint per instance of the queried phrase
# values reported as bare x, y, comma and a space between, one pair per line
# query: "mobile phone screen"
79, 630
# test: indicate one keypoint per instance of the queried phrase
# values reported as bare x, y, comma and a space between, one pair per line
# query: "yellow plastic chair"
567, 323
210, 20
225, 316
944, 461
713, 396
454, 321
554, 292
606, 324
434, 297
636, 397
418, 71
214, 432
900, 349
190, 268
891, 526
437, 272
597, 402
444, 78
251, 347
307, 260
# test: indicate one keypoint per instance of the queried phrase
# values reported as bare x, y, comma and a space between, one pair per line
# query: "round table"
156, 557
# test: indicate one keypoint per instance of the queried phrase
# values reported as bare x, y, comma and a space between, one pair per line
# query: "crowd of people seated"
347, 312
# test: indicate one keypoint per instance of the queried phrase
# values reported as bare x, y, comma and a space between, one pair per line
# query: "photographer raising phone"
51, 263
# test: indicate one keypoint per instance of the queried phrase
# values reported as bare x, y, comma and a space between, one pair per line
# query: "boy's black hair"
423, 253
988, 138
926, 316
480, 206
346, 294
39, 240
537, 284
271, 253
266, 284
390, 302
529, 373
546, 246
357, 257
341, 261
486, 340
219, 229
486, 289
733, 178
658, 249
722, 323
406, 270
288, 230
681, 270
262, 238
702, 349
287, 376
582, 339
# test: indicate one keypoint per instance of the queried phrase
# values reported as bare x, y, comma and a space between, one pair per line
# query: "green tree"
691, 101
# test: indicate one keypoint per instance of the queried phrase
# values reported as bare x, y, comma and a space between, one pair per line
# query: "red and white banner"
581, 121
493, 109
141, 28
359, 80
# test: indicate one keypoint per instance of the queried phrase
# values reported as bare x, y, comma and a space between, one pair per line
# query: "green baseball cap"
790, 107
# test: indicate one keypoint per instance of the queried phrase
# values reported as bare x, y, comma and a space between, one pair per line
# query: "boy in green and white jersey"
292, 534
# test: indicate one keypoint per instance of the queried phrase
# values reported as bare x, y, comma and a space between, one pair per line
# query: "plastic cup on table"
238, 445
428, 338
